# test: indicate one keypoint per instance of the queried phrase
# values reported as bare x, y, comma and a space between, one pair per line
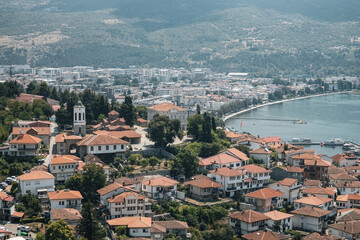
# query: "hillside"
319, 37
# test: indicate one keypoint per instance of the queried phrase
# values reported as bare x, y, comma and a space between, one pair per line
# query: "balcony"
76, 206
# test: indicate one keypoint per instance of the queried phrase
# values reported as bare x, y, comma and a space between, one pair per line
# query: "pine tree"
88, 226
128, 111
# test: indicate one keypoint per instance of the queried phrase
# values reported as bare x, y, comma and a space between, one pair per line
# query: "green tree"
94, 178
153, 161
32, 88
163, 131
88, 226
141, 111
31, 203
144, 163
59, 230
75, 182
128, 111
189, 162
44, 90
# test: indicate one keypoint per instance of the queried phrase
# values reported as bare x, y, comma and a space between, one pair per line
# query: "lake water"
331, 116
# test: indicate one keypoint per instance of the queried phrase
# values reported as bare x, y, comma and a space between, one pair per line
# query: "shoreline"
276, 102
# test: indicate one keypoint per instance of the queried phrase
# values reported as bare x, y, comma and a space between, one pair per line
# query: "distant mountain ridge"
268, 37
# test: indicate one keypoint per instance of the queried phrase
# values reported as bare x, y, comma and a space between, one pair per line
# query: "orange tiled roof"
174, 224
120, 134
81, 165
287, 181
272, 139
66, 214
120, 198
62, 137
36, 175
239, 154
3, 195
94, 140
39, 130
203, 183
313, 200
265, 193
164, 107
292, 169
17, 214
26, 139
317, 236
113, 113
311, 211
64, 194
252, 168
265, 235
310, 182
305, 156
320, 191
131, 222
160, 181
277, 215
249, 216
227, 172
316, 162
352, 227
64, 159
342, 176
109, 188
221, 158
347, 197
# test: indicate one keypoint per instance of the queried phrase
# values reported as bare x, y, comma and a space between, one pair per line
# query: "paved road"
52, 147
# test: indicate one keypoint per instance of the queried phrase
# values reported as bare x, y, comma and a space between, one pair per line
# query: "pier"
267, 119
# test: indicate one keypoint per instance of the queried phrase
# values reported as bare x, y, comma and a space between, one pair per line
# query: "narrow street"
52, 147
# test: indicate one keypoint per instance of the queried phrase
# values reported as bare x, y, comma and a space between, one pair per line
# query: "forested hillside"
266, 37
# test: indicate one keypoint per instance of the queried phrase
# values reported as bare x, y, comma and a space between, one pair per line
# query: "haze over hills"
266, 37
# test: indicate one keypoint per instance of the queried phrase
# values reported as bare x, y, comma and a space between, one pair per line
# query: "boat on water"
300, 122
301, 141
334, 142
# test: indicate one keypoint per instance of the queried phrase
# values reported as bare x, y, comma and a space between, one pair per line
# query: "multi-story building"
279, 173
232, 181
265, 199
129, 204
315, 201
25, 145
170, 110
348, 201
310, 219
63, 166
65, 199
290, 187
101, 144
159, 187
43, 133
136, 226
347, 230
260, 177
248, 221
7, 206
36, 182
284, 220
328, 192
203, 189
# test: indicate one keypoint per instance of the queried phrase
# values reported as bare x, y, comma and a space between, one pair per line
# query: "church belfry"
79, 119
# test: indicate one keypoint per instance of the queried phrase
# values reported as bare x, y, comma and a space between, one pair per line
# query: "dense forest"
266, 38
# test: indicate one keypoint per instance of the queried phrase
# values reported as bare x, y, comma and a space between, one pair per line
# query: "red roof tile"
265, 193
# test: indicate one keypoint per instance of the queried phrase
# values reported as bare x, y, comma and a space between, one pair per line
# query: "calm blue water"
332, 116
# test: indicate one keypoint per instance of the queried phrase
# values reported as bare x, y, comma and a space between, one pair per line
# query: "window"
145, 230
92, 148
75, 117
99, 148
114, 147
107, 147
122, 146
27, 183
37, 182
79, 116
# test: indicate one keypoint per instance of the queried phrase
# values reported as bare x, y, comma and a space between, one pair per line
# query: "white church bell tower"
79, 119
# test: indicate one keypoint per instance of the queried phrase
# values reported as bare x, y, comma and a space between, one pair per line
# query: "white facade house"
290, 187
262, 155
284, 220
348, 230
101, 144
137, 226
79, 120
232, 181
24, 145
348, 201
129, 204
7, 206
159, 188
63, 166
170, 110
348, 187
36, 182
110, 191
65, 199
310, 218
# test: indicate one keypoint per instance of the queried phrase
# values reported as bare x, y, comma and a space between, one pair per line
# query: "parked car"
23, 228
3, 185
9, 180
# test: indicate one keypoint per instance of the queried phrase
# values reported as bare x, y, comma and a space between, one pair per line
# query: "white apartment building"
159, 187
310, 218
36, 182
65, 199
290, 187
284, 219
247, 221
25, 145
232, 181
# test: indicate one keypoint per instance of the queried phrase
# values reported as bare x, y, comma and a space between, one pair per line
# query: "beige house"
203, 189
170, 110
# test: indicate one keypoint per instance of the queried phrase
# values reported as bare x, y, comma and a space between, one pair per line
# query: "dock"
267, 119
305, 143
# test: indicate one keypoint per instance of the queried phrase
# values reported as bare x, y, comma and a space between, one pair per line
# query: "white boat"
334, 142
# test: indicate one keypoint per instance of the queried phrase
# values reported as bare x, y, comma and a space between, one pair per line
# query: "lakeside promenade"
276, 102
